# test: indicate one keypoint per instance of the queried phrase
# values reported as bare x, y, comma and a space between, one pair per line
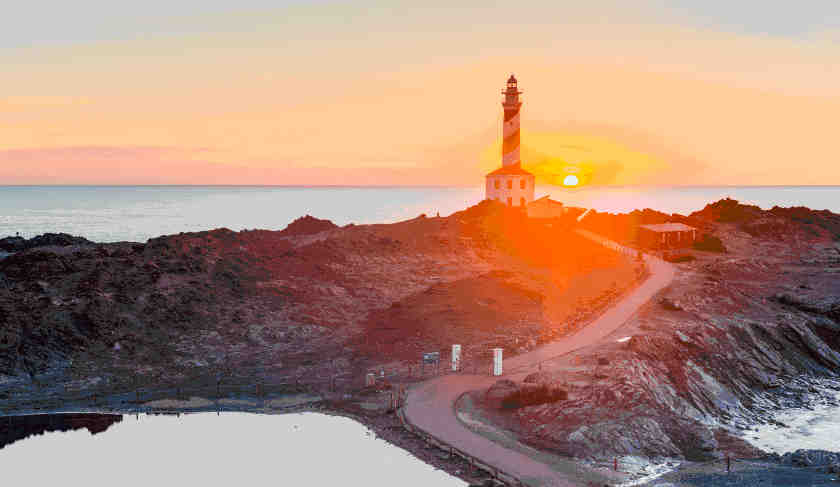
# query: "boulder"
500, 389
538, 378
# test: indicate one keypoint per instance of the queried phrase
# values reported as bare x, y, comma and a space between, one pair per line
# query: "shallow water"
813, 429
754, 474
209, 450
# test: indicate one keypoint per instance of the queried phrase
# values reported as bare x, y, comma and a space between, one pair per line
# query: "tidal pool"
206, 449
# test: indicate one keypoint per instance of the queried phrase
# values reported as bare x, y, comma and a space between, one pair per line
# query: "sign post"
431, 358
456, 357
497, 361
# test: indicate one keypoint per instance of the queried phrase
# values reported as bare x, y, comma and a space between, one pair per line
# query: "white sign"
497, 361
456, 357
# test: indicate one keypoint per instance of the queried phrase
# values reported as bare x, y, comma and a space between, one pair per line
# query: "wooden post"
615, 464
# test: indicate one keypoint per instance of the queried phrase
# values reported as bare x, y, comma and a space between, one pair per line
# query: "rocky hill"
313, 300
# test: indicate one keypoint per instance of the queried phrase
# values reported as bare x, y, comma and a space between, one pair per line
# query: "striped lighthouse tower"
510, 184
510, 128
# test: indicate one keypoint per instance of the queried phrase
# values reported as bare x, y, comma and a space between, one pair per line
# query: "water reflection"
208, 450
15, 428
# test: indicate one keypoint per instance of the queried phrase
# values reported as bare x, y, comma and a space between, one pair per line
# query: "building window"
522, 184
521, 201
496, 183
510, 183
510, 201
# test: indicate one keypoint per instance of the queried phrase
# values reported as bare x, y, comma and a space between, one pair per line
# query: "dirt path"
430, 405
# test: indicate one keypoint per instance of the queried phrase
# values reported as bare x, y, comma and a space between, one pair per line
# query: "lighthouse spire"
510, 127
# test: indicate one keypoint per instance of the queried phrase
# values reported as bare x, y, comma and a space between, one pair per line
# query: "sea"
209, 450
138, 213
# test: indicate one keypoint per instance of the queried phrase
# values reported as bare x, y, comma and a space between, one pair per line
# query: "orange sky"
331, 94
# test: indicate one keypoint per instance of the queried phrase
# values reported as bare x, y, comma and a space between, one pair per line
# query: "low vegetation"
710, 243
533, 396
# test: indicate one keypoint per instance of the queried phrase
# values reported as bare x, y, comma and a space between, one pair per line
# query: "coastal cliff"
738, 335
749, 326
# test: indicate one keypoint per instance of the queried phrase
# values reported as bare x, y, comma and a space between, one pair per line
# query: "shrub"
533, 396
710, 243
679, 258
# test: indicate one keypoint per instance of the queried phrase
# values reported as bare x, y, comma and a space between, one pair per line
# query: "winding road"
430, 405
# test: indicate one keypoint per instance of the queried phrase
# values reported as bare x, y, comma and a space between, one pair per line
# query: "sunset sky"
395, 93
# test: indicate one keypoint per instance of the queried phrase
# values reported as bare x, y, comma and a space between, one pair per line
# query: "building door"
522, 202
510, 201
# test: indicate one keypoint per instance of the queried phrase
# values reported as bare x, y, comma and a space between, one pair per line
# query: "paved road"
430, 405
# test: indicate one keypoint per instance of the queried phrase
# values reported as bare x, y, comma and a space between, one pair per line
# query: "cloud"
395, 98
165, 165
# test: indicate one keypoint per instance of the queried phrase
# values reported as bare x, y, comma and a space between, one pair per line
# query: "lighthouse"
510, 184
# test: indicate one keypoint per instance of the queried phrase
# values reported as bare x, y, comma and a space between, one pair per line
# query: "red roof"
512, 170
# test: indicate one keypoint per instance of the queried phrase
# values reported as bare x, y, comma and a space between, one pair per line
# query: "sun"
570, 180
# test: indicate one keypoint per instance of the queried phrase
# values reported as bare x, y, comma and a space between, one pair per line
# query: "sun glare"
570, 180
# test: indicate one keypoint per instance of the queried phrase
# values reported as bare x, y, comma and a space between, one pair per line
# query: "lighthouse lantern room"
510, 184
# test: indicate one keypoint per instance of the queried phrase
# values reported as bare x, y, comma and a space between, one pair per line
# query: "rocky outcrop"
307, 225
737, 337
500, 390
777, 223
18, 244
821, 306
16, 428
811, 458
538, 378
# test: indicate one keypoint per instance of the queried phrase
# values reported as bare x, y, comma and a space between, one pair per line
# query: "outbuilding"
546, 208
666, 236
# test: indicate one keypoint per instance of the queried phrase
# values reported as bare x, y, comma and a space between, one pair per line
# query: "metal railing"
130, 398
475, 463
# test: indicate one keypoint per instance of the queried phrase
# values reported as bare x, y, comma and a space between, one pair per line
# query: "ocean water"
137, 213
816, 427
226, 450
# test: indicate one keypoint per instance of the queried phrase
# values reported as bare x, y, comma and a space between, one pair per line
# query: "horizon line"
391, 186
